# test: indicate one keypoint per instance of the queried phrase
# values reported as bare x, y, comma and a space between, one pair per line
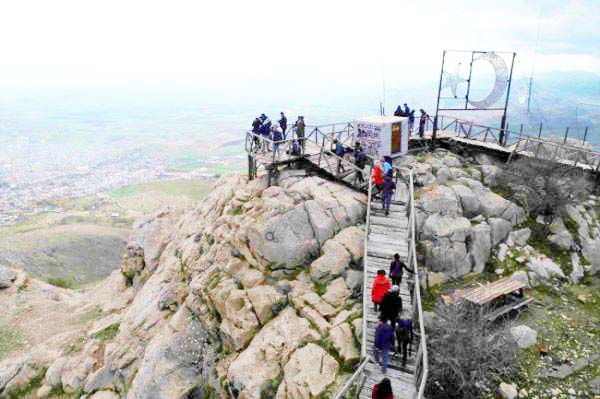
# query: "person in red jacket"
377, 177
383, 390
381, 285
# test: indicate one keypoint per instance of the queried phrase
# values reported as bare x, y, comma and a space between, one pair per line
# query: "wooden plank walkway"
388, 235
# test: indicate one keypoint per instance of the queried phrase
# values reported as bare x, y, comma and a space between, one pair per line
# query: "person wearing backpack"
360, 159
404, 338
391, 305
383, 390
340, 151
388, 192
397, 269
384, 342
381, 285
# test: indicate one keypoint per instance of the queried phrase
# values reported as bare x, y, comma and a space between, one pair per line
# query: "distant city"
71, 145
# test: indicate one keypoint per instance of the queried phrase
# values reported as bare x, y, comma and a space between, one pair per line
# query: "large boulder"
440, 200
343, 341
332, 263
544, 268
508, 391
286, 240
577, 273
7, 277
337, 293
308, 373
469, 201
490, 173
493, 205
446, 256
524, 336
173, 361
271, 347
519, 237
480, 246
451, 227
500, 229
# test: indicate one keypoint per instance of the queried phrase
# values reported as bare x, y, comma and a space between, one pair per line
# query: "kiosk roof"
382, 120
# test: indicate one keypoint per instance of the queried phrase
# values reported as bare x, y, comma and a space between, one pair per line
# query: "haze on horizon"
283, 44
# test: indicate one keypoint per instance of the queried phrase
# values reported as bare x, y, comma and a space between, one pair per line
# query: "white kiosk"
382, 135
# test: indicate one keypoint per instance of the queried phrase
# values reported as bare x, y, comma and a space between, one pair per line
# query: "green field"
85, 241
192, 189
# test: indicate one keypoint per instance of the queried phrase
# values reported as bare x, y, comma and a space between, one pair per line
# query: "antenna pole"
437, 107
529, 94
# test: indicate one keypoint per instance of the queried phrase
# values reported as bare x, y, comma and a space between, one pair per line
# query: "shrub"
468, 356
542, 186
63, 282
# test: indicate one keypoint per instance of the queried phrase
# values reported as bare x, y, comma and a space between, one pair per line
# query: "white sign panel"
369, 135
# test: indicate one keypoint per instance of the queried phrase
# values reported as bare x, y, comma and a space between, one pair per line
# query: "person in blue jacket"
388, 192
340, 151
384, 342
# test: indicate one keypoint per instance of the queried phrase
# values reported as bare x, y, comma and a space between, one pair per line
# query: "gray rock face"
444, 255
595, 386
490, 172
287, 239
508, 391
173, 363
563, 239
521, 276
500, 229
443, 175
7, 276
480, 247
468, 200
519, 237
544, 268
577, 273
453, 228
524, 336
440, 200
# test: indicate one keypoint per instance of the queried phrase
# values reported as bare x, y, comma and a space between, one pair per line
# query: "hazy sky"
215, 43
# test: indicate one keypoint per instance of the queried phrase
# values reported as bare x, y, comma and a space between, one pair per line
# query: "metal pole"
503, 123
469, 81
540, 132
585, 134
566, 135
437, 107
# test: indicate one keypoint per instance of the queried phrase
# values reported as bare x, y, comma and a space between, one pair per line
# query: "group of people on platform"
394, 331
410, 114
277, 133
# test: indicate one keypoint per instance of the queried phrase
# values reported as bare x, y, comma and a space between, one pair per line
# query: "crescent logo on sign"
500, 84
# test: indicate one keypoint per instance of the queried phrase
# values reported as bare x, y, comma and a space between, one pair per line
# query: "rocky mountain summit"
256, 292
244, 294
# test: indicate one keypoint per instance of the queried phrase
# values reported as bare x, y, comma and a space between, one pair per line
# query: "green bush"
108, 333
63, 282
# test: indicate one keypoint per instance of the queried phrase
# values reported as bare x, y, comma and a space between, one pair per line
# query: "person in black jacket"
283, 124
391, 305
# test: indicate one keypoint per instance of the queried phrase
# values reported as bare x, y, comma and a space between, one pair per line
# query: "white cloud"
226, 42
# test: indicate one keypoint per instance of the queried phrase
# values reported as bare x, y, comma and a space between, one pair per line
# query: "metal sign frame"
468, 105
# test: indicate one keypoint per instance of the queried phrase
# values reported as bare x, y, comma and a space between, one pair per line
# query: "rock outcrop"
237, 295
460, 219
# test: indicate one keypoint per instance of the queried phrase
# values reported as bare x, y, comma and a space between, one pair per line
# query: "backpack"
404, 330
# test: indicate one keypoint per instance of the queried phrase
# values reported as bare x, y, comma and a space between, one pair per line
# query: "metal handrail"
520, 135
342, 393
413, 260
363, 349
